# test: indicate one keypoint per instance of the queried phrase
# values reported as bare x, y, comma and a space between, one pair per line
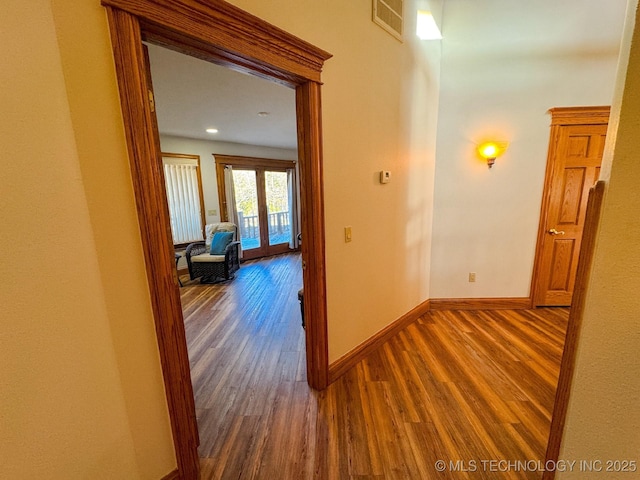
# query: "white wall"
380, 99
503, 66
205, 149
603, 419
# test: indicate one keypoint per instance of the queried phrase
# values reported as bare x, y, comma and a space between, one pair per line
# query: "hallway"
455, 385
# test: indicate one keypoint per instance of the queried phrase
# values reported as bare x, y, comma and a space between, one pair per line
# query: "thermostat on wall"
385, 176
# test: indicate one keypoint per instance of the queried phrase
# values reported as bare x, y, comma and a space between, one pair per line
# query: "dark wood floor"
468, 386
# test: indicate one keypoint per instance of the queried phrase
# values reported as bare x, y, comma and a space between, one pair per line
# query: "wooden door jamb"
224, 34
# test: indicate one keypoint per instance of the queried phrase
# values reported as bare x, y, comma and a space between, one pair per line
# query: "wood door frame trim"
221, 33
568, 363
580, 115
227, 35
560, 116
222, 194
253, 161
148, 182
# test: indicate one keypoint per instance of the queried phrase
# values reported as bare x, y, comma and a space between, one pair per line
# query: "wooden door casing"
224, 34
575, 154
567, 366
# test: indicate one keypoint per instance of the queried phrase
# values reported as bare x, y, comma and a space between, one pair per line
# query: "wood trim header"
253, 161
224, 34
579, 115
181, 155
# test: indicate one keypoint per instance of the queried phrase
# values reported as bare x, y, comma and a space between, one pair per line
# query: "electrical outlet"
212, 213
472, 277
347, 234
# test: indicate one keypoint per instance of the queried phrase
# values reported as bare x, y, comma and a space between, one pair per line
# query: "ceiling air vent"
388, 14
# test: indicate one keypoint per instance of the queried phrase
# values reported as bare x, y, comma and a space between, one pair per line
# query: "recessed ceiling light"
263, 114
212, 130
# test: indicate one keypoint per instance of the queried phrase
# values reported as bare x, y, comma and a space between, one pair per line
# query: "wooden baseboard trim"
175, 475
508, 303
344, 363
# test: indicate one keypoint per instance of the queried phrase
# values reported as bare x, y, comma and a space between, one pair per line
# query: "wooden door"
575, 154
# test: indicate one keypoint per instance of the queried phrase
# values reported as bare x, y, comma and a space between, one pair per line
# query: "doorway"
226, 35
260, 195
573, 167
261, 203
239, 331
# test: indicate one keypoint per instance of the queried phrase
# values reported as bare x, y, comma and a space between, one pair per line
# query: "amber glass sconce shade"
491, 150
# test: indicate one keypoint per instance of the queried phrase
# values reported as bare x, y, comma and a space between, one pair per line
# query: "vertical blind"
183, 196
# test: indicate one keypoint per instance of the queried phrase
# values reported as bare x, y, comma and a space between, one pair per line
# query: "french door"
262, 208
264, 199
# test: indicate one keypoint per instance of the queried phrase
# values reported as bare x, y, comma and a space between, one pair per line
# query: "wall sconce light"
491, 150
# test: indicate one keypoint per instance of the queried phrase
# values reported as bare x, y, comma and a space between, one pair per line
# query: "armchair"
212, 268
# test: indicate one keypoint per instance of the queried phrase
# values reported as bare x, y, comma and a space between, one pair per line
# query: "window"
184, 196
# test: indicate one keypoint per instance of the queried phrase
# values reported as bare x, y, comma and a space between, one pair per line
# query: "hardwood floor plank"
454, 385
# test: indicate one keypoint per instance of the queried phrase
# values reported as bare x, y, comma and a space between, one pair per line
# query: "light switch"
212, 213
347, 234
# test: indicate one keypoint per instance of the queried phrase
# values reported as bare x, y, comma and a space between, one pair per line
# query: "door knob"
553, 231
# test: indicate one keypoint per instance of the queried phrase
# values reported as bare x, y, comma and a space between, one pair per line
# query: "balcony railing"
279, 226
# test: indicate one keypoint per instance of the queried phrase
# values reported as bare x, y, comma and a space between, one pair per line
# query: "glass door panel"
277, 199
246, 192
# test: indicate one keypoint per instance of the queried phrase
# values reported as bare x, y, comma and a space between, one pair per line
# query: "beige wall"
603, 421
380, 102
87, 62
502, 69
82, 388
66, 400
205, 149
79, 400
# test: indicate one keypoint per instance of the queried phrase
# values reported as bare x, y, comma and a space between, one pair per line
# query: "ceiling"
193, 95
